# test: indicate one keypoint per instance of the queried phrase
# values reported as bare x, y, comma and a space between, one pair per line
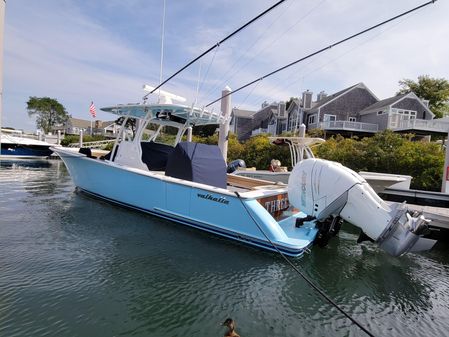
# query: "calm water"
75, 266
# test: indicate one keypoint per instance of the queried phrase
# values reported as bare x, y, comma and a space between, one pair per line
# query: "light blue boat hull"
204, 207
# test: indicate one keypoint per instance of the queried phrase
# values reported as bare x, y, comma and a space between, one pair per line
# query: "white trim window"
329, 118
311, 119
352, 119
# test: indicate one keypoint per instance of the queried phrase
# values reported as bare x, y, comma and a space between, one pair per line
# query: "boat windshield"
162, 134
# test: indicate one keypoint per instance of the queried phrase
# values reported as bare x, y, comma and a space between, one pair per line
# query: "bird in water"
230, 324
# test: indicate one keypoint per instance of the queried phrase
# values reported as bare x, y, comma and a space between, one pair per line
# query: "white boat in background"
154, 171
14, 144
301, 148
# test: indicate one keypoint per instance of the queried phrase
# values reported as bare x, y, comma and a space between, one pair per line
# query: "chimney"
281, 109
321, 95
307, 99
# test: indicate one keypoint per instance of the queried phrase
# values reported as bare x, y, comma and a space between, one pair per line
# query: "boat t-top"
154, 170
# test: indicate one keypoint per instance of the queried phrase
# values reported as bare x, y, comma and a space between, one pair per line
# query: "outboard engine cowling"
235, 164
326, 190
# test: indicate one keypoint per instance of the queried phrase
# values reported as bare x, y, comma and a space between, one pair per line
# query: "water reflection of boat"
16, 145
155, 172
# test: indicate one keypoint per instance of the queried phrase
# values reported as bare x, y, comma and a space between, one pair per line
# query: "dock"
433, 205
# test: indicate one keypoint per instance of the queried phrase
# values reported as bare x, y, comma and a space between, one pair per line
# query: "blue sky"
104, 51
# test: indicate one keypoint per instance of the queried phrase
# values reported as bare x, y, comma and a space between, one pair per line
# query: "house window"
352, 119
312, 119
380, 112
329, 118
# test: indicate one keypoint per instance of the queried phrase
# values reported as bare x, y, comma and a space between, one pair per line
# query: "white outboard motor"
327, 190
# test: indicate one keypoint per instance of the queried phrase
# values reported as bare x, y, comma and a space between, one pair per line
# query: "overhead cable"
324, 49
216, 45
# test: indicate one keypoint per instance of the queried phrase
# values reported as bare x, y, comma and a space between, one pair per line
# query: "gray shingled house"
271, 118
73, 126
339, 112
404, 113
351, 111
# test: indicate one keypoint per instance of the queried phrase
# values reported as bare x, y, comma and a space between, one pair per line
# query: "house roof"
330, 98
382, 104
390, 101
79, 123
83, 123
243, 113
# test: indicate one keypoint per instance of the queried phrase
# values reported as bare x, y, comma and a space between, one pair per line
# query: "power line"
216, 45
324, 49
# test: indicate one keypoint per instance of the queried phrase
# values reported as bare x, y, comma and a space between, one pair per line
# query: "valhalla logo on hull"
208, 196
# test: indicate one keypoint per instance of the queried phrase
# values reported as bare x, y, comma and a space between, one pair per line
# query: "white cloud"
105, 50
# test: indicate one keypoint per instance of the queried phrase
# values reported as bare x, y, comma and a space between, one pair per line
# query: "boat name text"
277, 205
208, 196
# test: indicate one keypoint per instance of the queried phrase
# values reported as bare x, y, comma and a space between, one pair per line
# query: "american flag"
92, 110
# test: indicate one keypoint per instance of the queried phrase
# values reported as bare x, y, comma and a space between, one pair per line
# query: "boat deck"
246, 183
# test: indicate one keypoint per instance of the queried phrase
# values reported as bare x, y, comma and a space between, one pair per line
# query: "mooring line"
315, 287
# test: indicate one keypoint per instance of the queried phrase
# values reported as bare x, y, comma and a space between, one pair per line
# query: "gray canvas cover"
199, 163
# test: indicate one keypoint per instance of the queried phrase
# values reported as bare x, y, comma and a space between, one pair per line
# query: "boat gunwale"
250, 194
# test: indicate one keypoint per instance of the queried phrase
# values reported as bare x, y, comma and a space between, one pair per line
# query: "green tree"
435, 90
48, 111
131, 123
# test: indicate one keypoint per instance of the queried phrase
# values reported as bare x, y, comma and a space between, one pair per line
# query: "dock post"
445, 182
302, 130
81, 138
189, 134
224, 128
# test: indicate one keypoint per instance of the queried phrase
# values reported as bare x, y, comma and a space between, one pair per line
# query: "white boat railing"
93, 145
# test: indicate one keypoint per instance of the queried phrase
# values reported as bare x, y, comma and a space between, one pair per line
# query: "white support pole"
302, 130
81, 138
59, 137
224, 128
189, 134
2, 25
445, 182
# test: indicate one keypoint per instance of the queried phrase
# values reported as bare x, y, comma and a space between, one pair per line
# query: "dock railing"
350, 126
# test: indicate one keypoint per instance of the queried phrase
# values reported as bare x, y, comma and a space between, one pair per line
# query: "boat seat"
86, 151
